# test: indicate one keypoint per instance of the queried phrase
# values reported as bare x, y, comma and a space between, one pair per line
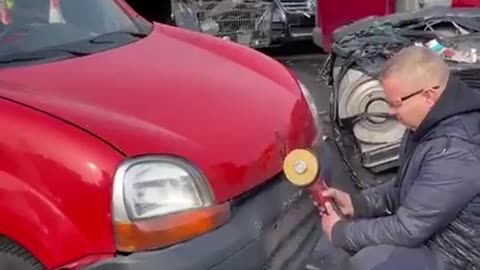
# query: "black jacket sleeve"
380, 200
376, 201
447, 181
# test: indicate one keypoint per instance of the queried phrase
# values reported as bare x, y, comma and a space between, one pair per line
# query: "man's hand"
341, 199
329, 219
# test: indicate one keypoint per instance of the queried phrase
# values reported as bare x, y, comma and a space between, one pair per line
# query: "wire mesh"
247, 22
307, 6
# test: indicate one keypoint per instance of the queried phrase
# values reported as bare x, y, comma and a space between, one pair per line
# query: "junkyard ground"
306, 60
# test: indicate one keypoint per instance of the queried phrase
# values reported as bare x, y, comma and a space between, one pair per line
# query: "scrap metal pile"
358, 110
247, 22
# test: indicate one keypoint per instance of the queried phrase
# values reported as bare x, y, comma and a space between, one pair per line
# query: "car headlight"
159, 201
314, 112
160, 186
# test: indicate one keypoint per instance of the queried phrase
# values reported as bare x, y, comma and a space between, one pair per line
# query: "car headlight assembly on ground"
162, 200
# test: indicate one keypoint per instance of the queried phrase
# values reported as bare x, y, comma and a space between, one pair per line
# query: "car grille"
289, 236
307, 6
292, 237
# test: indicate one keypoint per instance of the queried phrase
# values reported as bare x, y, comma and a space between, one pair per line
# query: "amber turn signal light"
166, 230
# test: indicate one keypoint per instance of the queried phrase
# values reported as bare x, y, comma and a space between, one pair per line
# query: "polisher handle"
316, 190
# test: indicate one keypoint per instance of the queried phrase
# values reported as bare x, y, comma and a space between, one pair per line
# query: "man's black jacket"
435, 199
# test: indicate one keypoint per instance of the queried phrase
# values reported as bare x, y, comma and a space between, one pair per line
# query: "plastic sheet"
369, 42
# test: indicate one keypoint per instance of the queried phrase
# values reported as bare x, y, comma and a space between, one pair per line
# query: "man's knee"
369, 257
387, 257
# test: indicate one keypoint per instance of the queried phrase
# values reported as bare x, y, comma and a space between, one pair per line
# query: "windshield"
33, 30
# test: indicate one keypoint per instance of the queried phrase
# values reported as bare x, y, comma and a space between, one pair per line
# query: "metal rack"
247, 22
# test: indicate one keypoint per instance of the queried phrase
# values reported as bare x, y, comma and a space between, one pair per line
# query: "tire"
14, 257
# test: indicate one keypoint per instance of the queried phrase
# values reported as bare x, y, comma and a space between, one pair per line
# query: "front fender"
36, 223
55, 186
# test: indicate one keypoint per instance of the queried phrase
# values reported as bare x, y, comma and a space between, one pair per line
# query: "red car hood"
226, 108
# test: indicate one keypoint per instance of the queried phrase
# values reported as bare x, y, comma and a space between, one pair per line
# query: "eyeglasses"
407, 97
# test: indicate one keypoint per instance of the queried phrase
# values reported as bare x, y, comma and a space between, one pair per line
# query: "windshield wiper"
38, 55
102, 39
70, 50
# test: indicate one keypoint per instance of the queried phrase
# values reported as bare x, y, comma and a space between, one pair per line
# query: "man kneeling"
429, 217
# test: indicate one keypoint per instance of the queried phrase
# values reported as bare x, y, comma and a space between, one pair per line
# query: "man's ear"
431, 96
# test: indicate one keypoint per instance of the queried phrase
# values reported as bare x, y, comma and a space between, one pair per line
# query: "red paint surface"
465, 3
56, 186
334, 14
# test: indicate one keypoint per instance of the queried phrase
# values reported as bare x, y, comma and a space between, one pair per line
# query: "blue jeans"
388, 257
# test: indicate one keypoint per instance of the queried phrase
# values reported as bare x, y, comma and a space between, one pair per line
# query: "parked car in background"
359, 111
254, 23
333, 14
293, 20
128, 144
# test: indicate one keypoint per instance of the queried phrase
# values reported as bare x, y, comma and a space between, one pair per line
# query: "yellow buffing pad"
301, 167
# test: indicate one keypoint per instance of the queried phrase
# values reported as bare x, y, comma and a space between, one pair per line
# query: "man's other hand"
329, 219
341, 199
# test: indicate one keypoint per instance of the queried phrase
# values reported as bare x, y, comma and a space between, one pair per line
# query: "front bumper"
273, 227
294, 27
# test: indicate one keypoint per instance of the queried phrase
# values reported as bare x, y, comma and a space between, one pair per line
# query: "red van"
127, 144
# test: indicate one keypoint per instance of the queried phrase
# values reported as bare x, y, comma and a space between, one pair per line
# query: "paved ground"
306, 60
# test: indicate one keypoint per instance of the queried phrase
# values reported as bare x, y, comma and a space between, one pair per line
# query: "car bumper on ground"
273, 227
